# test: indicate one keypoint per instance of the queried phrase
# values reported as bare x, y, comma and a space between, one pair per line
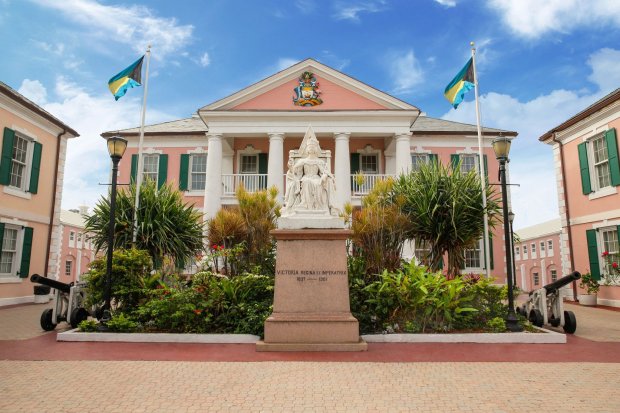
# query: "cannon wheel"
570, 322
536, 317
77, 316
47, 323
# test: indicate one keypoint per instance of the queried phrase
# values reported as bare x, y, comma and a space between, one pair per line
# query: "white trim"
368, 149
606, 223
168, 141
10, 279
28, 115
13, 221
19, 246
603, 192
551, 337
76, 335
608, 302
16, 300
589, 126
11, 190
601, 216
190, 164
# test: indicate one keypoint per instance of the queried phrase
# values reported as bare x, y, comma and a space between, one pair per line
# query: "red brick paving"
575, 350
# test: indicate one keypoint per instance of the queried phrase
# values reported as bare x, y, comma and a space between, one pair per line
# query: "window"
517, 253
422, 253
198, 168
549, 245
533, 249
418, 159
611, 252
536, 278
151, 167
68, 267
554, 275
542, 246
79, 237
249, 164
598, 164
8, 258
71, 236
369, 164
468, 163
472, 257
19, 162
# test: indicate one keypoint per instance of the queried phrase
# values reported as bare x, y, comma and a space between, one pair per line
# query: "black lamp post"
501, 146
116, 149
511, 219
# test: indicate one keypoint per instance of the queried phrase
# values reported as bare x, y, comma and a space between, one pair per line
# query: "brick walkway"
90, 386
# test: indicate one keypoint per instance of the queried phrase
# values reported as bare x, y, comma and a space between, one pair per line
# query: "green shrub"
131, 275
88, 326
496, 325
488, 299
120, 323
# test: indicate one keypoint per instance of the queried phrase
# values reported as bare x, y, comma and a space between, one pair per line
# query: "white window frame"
417, 251
414, 165
541, 249
533, 250
600, 245
191, 173
525, 253
549, 248
71, 239
480, 250
535, 278
373, 155
12, 276
517, 253
150, 156
69, 267
551, 277
476, 161
594, 177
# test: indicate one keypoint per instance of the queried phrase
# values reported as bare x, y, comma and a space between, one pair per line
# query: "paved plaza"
38, 374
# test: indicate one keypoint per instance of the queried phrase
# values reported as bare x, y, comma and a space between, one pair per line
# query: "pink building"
247, 136
585, 151
31, 176
77, 251
537, 255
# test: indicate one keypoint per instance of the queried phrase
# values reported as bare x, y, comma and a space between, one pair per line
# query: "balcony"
251, 182
362, 184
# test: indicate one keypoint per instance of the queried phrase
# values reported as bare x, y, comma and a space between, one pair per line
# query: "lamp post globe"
501, 146
116, 149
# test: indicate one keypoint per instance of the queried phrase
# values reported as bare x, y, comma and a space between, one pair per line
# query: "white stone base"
608, 302
42, 299
310, 221
16, 300
544, 337
75, 335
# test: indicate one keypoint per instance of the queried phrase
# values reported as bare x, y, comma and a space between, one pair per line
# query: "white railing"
363, 184
251, 182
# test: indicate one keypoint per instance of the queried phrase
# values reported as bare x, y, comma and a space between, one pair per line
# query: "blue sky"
539, 62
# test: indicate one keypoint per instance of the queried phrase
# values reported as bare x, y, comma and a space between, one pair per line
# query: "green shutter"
432, 158
586, 187
184, 173
263, 163
24, 268
486, 168
612, 153
355, 163
7, 156
454, 160
36, 168
1, 236
163, 170
134, 168
595, 268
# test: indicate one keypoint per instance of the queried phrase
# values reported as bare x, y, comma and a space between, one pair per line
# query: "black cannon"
68, 302
545, 306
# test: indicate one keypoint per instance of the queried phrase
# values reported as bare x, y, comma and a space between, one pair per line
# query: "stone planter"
41, 294
587, 299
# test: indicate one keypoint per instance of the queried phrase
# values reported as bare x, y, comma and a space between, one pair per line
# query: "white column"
213, 187
275, 167
342, 169
403, 154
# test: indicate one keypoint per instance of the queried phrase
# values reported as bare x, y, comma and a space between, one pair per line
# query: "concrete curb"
551, 337
74, 335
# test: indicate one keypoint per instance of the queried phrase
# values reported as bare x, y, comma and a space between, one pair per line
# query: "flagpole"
140, 144
483, 182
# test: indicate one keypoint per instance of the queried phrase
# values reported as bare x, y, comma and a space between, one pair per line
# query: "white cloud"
88, 162
135, 26
352, 10
306, 6
533, 18
205, 60
447, 3
33, 90
405, 71
285, 63
532, 162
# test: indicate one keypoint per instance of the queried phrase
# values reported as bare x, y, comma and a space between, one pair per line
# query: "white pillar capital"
276, 136
214, 137
342, 136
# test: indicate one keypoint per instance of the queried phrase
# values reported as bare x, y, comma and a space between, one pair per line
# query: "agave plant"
445, 211
166, 226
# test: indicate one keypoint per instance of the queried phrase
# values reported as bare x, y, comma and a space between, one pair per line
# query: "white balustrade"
251, 182
362, 184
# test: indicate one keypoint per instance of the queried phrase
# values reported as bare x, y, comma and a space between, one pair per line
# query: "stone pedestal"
311, 309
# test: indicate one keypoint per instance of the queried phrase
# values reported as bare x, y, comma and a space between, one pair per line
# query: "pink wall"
333, 96
80, 253
39, 205
542, 264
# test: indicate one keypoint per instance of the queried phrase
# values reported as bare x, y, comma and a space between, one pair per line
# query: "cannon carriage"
545, 305
68, 306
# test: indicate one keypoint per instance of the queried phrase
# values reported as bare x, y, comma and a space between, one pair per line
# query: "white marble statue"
310, 187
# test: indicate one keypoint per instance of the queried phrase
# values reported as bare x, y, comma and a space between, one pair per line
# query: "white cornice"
590, 125
29, 116
319, 69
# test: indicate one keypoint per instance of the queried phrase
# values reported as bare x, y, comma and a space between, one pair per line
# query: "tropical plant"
588, 283
166, 227
445, 211
379, 229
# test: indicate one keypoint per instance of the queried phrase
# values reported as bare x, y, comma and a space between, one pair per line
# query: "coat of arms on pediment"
307, 92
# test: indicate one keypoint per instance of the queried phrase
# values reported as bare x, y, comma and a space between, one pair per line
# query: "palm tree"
445, 211
167, 227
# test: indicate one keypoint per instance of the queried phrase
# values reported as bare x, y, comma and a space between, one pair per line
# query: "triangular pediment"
338, 92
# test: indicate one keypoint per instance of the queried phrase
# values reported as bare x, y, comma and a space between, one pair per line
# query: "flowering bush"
589, 283
612, 268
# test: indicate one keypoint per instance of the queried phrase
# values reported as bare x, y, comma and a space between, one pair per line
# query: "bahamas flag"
128, 78
461, 84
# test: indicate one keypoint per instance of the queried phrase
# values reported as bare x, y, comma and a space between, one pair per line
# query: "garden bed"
547, 337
